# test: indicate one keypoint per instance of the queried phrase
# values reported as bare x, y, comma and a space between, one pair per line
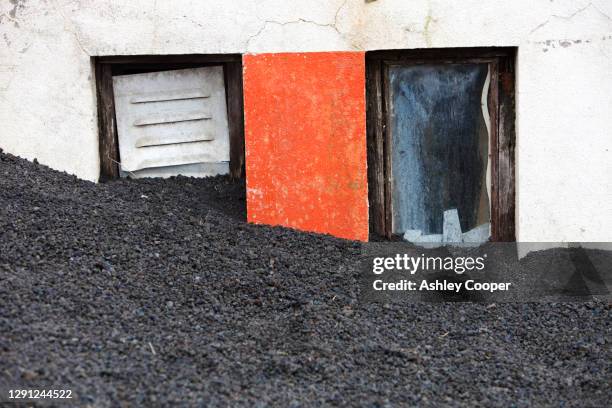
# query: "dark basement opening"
440, 144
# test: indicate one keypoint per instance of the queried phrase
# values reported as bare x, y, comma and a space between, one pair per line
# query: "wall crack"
70, 27
569, 17
266, 23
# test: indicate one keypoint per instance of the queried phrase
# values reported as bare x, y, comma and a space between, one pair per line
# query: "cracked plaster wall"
564, 88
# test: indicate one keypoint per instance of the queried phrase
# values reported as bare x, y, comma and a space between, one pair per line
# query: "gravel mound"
158, 293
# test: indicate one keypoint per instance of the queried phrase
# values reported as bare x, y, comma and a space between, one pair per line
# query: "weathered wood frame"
501, 103
106, 67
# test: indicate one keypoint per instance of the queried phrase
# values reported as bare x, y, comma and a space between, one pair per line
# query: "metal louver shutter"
172, 122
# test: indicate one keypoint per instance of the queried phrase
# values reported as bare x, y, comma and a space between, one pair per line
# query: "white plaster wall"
564, 93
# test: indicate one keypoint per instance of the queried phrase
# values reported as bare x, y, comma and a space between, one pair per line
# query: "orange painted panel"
305, 139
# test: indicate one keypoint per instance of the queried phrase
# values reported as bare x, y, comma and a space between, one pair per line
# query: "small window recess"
501, 104
108, 66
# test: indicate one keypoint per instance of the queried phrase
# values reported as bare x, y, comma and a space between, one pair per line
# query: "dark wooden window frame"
107, 66
502, 115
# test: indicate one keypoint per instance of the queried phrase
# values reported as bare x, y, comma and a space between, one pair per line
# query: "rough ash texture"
156, 292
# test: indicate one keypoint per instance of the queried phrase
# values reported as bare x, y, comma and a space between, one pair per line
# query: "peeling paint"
17, 5
566, 43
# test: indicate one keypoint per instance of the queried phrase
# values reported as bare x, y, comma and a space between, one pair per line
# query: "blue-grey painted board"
439, 145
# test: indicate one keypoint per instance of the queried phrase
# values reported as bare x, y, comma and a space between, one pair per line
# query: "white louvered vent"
172, 122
